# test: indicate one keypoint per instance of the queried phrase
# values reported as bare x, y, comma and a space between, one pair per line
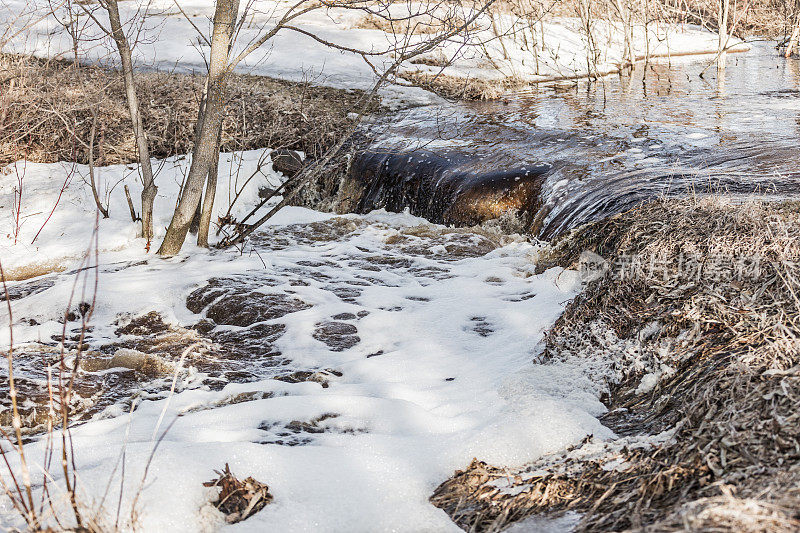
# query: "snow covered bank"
560, 50
442, 327
500, 47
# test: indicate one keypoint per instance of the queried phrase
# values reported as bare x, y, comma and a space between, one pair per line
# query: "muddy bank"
689, 321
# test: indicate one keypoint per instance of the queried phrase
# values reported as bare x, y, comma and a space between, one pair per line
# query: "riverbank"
507, 46
688, 324
517, 54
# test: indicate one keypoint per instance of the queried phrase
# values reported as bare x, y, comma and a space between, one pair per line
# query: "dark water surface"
609, 145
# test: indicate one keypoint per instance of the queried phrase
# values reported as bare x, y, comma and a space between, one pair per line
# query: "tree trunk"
722, 20
92, 181
206, 146
208, 199
592, 52
793, 40
624, 12
194, 227
149, 191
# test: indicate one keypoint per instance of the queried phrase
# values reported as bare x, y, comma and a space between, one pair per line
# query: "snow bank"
560, 50
55, 226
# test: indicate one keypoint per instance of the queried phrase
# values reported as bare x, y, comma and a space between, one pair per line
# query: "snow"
66, 237
651, 379
442, 392
561, 49
536, 524
166, 40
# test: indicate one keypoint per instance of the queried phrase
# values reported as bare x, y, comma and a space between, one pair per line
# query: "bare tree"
722, 23
794, 38
92, 180
149, 190
205, 155
625, 14
587, 30
208, 199
226, 23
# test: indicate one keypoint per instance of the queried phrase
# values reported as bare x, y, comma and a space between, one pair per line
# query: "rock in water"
287, 162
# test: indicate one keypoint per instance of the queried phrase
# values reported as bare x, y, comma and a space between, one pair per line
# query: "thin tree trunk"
628, 54
103, 210
149, 191
134, 218
592, 52
206, 146
723, 32
208, 199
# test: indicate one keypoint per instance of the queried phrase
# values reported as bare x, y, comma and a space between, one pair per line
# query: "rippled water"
614, 143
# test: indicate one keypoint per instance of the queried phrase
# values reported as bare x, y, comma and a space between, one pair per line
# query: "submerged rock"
287, 162
338, 336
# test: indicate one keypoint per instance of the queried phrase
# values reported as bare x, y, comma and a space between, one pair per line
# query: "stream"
354, 362
587, 150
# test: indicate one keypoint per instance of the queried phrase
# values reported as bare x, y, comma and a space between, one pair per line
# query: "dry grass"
764, 18
729, 332
238, 500
461, 88
415, 26
47, 110
37, 269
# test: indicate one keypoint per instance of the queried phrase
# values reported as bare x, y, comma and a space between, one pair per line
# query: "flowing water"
599, 148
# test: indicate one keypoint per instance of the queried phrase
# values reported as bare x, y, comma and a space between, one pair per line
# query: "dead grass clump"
148, 365
458, 88
35, 270
697, 320
431, 61
47, 109
239, 500
604, 488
